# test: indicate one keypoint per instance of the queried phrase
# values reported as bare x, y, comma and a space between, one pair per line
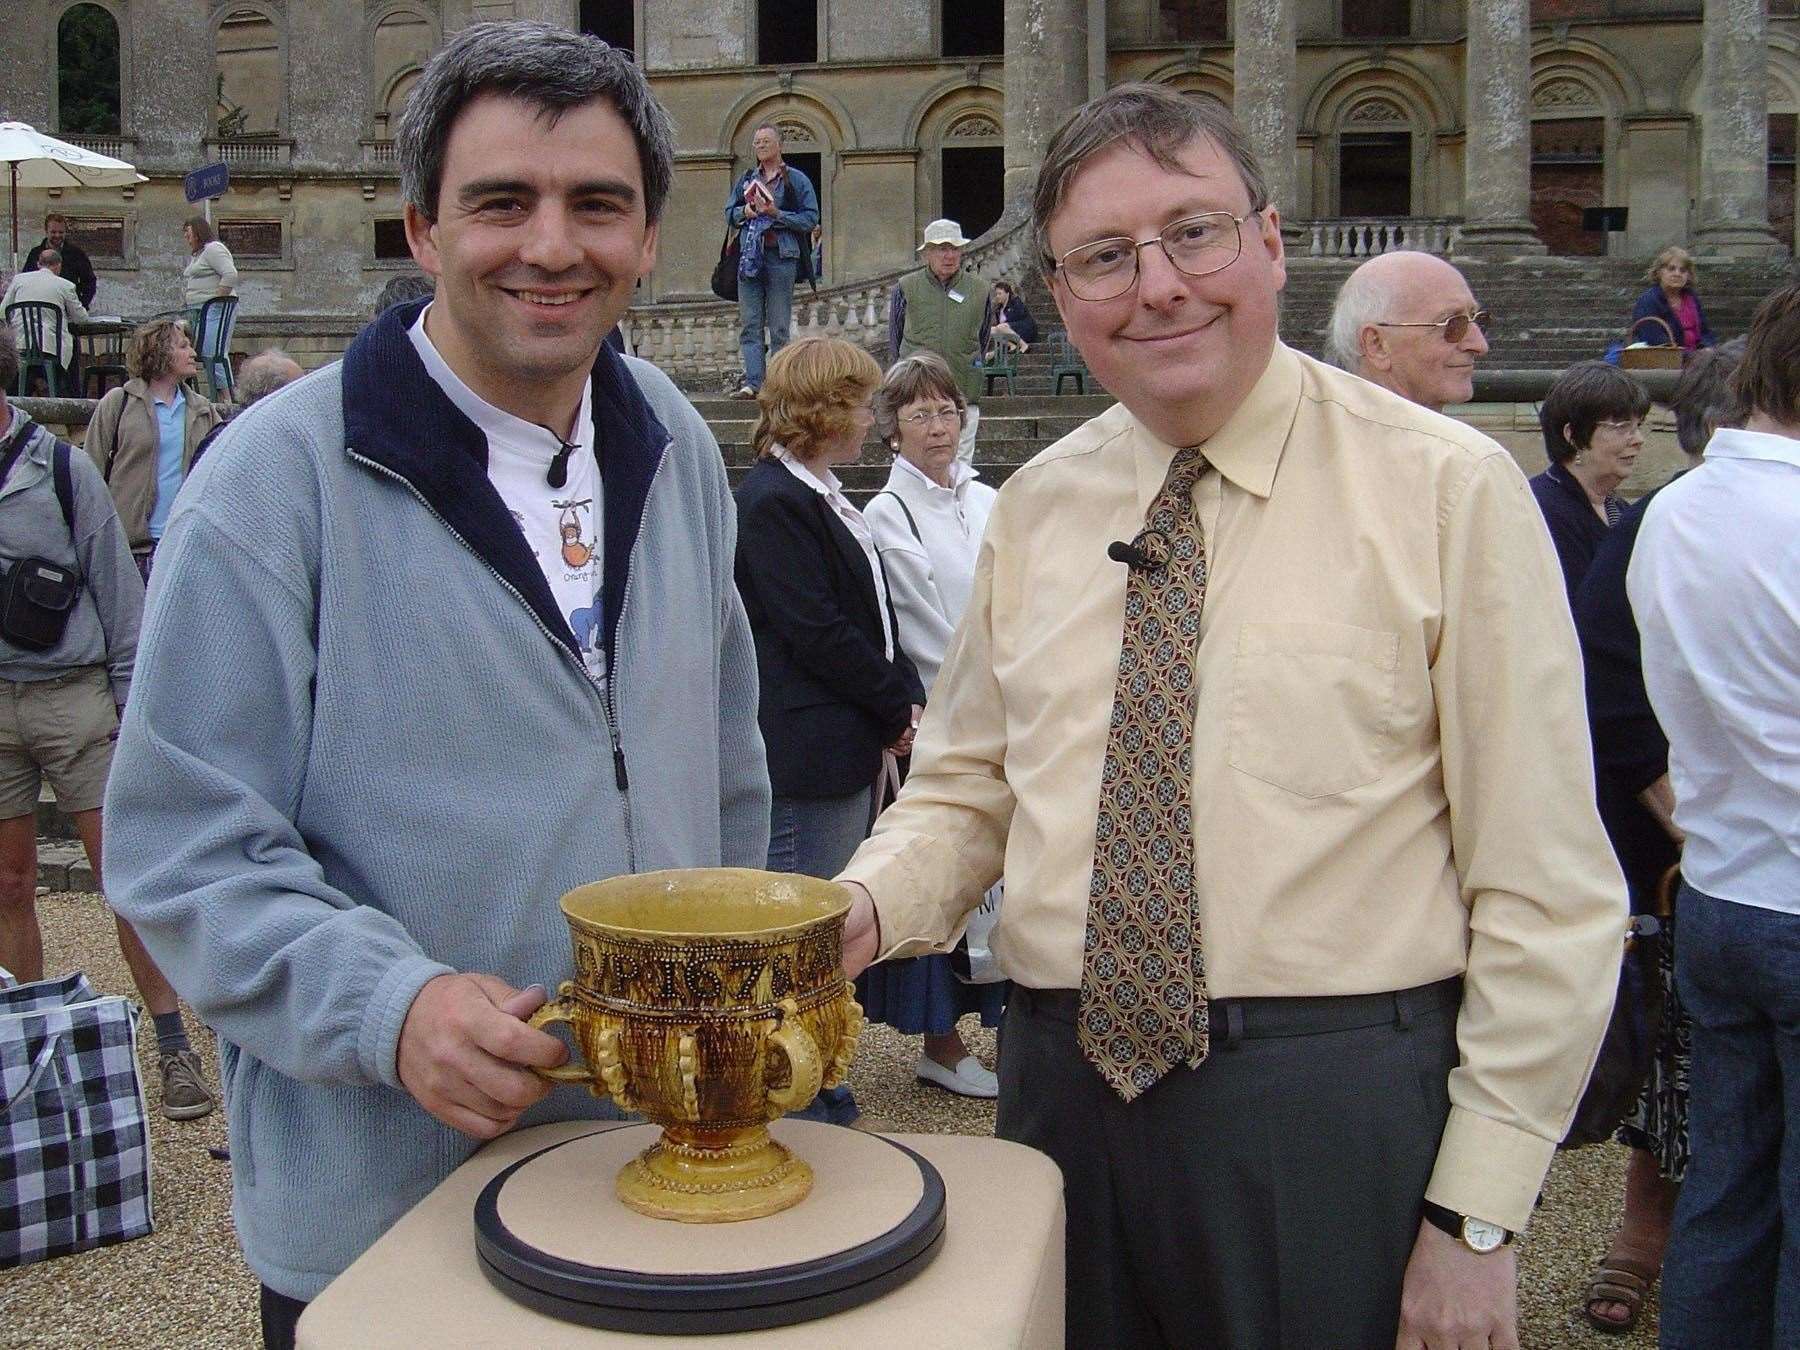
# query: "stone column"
1497, 112
1734, 131
1046, 80
1263, 91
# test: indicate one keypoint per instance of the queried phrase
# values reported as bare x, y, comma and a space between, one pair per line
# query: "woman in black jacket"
1669, 312
1010, 324
837, 691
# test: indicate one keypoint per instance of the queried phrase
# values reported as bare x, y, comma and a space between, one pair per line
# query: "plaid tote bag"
74, 1127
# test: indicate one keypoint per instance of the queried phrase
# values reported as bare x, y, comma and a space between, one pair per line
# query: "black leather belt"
1256, 1018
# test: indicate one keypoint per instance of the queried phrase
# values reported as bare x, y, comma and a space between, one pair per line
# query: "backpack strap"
65, 483
911, 524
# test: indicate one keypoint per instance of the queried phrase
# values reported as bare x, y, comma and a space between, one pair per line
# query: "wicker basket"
1669, 356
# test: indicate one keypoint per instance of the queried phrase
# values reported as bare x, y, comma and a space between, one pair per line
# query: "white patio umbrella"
35, 160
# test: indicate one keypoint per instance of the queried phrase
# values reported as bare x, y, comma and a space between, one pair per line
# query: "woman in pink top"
1673, 300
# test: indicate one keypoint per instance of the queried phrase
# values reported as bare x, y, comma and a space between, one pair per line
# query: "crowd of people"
1315, 899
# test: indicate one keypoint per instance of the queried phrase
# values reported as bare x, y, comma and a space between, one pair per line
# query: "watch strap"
1449, 1221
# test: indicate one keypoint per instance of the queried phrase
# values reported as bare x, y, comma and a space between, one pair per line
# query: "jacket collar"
397, 418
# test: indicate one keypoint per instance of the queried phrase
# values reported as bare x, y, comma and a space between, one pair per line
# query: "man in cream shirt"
1393, 919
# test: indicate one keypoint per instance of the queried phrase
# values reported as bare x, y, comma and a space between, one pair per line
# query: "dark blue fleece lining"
396, 416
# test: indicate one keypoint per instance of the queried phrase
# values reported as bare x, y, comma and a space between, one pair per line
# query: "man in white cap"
942, 308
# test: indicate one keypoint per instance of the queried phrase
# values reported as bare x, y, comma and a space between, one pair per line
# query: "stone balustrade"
253, 152
700, 341
1366, 236
118, 147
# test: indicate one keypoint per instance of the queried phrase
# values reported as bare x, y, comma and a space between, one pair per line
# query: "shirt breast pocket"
1312, 705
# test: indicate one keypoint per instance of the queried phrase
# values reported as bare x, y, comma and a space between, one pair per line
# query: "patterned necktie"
1143, 977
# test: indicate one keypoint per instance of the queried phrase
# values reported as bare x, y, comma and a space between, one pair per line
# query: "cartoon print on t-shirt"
576, 551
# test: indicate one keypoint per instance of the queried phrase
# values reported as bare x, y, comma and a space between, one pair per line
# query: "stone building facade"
1484, 127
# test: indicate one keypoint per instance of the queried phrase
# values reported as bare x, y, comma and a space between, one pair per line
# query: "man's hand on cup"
464, 1051
862, 931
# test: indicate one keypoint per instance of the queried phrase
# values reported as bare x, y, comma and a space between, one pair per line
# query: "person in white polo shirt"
1715, 586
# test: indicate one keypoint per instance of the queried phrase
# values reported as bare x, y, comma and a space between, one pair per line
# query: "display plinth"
997, 1281
552, 1233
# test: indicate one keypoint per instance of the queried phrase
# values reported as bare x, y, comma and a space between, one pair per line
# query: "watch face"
1481, 1236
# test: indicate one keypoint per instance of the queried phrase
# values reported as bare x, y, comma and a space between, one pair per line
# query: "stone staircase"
1549, 313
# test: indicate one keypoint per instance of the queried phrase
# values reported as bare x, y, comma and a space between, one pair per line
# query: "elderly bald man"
1408, 322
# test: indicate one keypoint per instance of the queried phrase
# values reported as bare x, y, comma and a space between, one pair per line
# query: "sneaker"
967, 1079
744, 391
184, 1092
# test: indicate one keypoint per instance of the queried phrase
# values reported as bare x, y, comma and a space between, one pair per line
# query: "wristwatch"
1478, 1235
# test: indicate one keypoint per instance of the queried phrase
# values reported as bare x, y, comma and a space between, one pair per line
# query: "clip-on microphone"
1135, 556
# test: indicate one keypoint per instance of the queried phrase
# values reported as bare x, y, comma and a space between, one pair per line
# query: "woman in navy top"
1593, 421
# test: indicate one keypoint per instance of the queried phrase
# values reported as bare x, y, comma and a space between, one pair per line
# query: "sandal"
1619, 1279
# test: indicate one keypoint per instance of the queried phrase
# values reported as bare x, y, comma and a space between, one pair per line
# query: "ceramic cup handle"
805, 1072
561, 1009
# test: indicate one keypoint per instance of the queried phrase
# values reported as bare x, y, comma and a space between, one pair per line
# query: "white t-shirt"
561, 525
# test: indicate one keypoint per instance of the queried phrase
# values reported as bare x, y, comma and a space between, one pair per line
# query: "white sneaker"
967, 1079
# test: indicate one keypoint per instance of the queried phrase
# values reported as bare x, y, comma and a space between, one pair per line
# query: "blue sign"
209, 181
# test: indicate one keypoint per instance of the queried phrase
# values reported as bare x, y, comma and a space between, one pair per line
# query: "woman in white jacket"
927, 522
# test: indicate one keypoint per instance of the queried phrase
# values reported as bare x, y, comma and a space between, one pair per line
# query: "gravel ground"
186, 1284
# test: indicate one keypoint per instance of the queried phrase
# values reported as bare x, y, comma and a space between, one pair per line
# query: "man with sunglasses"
1262, 700
1408, 322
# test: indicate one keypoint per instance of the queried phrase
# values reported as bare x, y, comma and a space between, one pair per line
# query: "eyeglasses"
1623, 425
924, 419
1456, 327
1196, 246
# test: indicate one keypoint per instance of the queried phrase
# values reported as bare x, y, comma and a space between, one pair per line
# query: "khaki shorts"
62, 729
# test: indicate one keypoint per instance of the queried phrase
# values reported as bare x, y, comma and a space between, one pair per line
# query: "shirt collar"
495, 423
1736, 443
824, 481
960, 474
1247, 449
176, 400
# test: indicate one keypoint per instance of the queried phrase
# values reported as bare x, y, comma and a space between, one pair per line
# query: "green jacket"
936, 323
121, 438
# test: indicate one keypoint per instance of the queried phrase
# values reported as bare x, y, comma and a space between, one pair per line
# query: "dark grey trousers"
1267, 1200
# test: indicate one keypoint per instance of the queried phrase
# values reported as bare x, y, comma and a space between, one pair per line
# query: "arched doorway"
87, 72
972, 172
1375, 160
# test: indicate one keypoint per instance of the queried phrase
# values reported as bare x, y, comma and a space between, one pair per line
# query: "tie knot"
1184, 471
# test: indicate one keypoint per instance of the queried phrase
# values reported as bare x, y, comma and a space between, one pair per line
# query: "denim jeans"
765, 301
1732, 1274
815, 837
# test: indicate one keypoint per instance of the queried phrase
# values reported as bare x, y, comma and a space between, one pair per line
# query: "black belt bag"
37, 597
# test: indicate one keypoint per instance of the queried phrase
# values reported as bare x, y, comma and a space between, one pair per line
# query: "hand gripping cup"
711, 1000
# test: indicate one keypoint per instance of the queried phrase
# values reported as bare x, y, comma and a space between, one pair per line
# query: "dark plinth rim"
740, 1300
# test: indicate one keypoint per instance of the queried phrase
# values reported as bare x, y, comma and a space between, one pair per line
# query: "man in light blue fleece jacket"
370, 741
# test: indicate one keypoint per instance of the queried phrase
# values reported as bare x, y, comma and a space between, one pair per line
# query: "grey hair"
548, 68
911, 378
262, 375
1161, 122
406, 287
49, 257
1704, 399
1359, 300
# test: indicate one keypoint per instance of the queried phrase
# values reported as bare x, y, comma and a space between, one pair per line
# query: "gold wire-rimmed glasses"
1196, 246
1455, 328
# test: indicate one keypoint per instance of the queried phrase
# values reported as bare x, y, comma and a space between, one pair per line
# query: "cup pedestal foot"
714, 1178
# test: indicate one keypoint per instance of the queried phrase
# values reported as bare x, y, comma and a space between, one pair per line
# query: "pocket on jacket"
1312, 705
